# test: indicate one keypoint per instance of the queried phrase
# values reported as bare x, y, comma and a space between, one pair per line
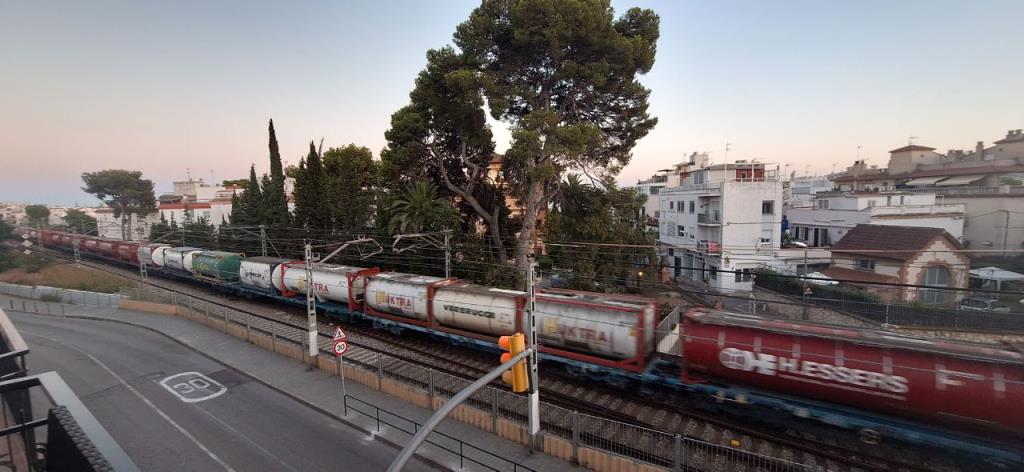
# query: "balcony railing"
992, 190
710, 247
918, 209
709, 218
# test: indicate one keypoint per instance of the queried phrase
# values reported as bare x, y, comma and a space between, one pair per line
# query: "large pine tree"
275, 202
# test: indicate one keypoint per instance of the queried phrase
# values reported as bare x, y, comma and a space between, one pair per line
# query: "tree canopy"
352, 180
80, 222
124, 191
564, 76
248, 207
38, 215
275, 202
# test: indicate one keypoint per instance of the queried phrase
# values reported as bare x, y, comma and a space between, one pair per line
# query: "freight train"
952, 396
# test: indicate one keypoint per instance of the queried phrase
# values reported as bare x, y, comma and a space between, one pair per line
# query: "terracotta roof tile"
850, 275
889, 242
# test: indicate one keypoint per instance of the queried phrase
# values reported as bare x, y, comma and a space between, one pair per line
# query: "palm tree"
420, 209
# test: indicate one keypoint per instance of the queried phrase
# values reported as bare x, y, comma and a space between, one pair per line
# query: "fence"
910, 315
63, 295
567, 434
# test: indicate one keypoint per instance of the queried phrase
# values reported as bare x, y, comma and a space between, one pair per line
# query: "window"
713, 272
680, 207
823, 204
768, 207
935, 276
693, 233
671, 205
655, 190
691, 206
866, 264
681, 231
657, 213
765, 240
743, 275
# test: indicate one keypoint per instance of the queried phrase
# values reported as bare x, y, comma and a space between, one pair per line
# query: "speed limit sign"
340, 347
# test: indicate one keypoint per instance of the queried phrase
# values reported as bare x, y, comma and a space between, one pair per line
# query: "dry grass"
66, 276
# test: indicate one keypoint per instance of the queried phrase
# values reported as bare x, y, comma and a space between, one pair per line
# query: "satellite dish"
27, 252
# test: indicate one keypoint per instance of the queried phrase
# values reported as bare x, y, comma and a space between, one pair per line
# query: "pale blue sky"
164, 86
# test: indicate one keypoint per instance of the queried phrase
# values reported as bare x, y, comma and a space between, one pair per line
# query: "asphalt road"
172, 409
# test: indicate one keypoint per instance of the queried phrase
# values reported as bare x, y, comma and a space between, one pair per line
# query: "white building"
107, 226
800, 191
665, 178
834, 214
725, 217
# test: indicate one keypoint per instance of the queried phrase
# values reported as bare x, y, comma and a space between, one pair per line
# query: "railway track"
661, 411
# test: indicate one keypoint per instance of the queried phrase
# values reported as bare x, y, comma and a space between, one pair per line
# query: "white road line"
160, 412
243, 436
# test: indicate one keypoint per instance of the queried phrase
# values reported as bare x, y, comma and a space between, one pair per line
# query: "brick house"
873, 254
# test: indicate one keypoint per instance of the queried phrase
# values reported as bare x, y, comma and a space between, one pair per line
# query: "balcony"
956, 191
709, 218
909, 210
709, 247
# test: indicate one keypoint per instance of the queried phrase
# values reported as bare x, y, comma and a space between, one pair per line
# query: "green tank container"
217, 265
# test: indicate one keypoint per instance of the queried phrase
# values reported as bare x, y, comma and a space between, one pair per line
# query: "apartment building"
665, 178
721, 223
988, 181
833, 214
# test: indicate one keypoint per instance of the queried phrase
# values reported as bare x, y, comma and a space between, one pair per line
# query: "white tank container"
158, 256
477, 308
330, 281
146, 252
577, 322
400, 294
186, 260
174, 258
258, 272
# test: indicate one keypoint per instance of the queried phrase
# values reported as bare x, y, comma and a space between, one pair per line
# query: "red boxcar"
927, 379
127, 251
105, 247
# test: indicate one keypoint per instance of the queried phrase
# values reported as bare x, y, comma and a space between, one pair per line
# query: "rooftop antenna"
858, 151
727, 144
910, 140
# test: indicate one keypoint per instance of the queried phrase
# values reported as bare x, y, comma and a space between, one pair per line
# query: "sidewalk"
324, 392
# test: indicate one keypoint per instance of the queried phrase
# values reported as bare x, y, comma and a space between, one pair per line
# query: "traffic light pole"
450, 405
532, 346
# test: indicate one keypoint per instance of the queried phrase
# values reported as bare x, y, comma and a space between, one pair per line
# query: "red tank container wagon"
960, 384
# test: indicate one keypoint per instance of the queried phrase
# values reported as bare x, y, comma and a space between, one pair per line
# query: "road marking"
193, 387
240, 434
160, 412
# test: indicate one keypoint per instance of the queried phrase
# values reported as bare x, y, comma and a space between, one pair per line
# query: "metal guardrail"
69, 296
406, 423
645, 445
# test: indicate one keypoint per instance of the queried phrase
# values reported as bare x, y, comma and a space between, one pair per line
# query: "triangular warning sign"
339, 334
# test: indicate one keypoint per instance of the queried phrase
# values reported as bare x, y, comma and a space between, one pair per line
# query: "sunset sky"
165, 86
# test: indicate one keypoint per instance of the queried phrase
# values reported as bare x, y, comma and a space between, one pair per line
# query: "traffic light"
517, 375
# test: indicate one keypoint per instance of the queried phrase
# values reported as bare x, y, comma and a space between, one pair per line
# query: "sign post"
340, 347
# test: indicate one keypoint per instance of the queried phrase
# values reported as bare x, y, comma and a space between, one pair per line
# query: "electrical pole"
448, 255
1006, 231
311, 305
263, 240
531, 337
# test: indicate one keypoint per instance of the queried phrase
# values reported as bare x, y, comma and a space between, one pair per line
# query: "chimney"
979, 148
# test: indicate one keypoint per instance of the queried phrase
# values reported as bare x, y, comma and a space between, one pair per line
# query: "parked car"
984, 304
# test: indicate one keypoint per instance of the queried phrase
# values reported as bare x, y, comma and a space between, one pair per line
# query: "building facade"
833, 214
724, 217
879, 259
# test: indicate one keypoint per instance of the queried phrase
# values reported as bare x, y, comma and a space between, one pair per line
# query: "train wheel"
869, 436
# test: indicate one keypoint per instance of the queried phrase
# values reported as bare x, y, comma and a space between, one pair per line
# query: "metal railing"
70, 296
577, 429
898, 314
461, 449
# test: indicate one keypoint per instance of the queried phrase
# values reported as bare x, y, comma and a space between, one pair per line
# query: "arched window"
935, 276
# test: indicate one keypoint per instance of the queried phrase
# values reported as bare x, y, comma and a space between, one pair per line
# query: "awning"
921, 181
995, 273
960, 180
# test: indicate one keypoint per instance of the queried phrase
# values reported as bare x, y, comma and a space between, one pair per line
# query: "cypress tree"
248, 208
275, 202
311, 193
